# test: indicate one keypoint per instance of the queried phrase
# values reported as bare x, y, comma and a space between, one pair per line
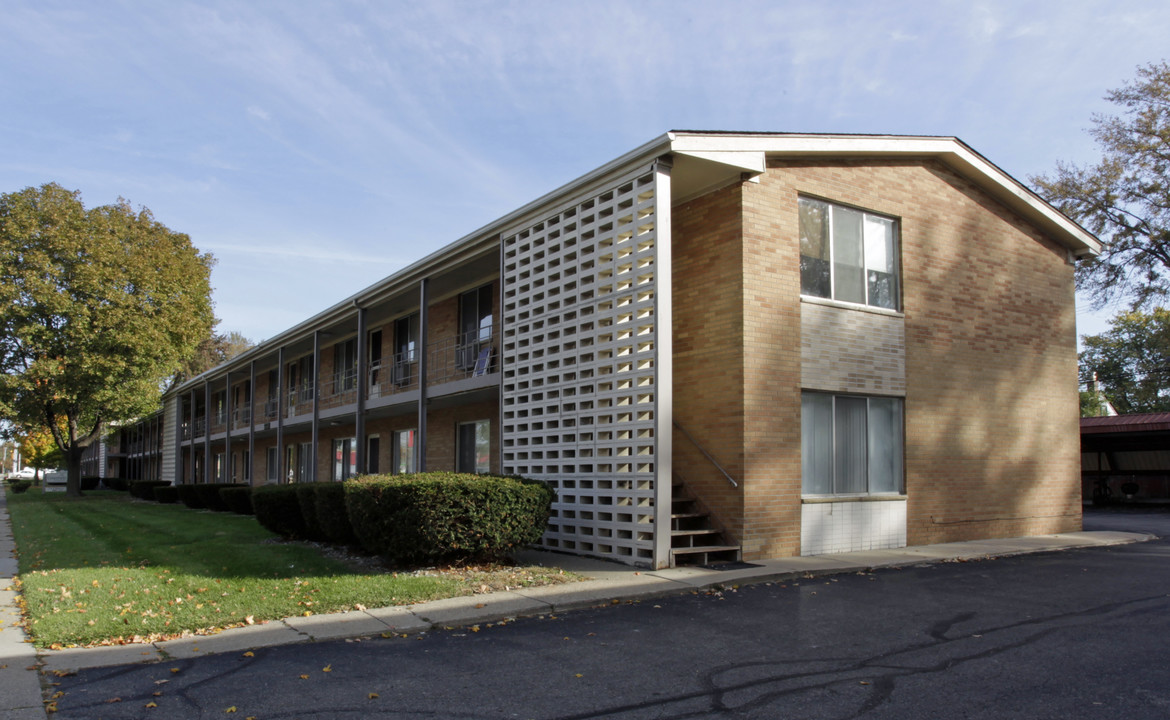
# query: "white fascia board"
950, 150
746, 160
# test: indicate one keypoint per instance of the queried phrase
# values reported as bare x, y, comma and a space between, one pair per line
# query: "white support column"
663, 364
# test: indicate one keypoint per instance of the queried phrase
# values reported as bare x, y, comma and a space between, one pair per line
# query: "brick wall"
848, 350
991, 401
771, 302
708, 350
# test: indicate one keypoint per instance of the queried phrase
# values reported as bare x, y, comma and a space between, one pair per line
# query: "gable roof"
718, 156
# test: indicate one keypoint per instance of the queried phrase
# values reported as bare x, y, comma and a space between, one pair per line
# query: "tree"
40, 450
98, 308
1125, 198
1131, 361
213, 350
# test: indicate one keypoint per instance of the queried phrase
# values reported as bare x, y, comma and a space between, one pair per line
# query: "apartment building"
745, 345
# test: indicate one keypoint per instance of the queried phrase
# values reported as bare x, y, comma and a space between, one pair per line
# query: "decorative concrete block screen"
580, 373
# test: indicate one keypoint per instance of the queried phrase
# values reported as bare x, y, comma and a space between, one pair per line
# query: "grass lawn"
108, 569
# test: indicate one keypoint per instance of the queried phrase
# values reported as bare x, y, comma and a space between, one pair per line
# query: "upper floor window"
848, 255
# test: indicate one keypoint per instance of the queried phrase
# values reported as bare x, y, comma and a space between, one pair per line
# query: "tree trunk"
73, 458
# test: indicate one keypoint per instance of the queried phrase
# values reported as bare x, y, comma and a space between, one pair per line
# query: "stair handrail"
706, 454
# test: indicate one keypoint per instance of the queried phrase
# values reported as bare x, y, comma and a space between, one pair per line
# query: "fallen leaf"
114, 700
232, 709
304, 677
579, 675
174, 670
327, 668
251, 619
372, 696
151, 704
249, 654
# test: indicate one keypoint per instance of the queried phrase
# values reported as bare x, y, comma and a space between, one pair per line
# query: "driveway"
1072, 634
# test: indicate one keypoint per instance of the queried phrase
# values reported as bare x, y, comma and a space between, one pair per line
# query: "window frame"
461, 444
895, 250
396, 460
897, 442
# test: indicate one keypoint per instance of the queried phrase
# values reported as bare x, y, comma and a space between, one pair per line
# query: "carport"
1126, 458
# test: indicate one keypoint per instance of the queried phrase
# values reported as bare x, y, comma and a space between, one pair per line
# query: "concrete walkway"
20, 685
20, 680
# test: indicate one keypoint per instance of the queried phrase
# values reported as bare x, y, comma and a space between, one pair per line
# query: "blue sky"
316, 147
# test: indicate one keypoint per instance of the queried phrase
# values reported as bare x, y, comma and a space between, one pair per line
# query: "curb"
618, 584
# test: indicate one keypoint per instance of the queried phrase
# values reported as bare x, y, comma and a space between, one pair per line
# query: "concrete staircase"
695, 539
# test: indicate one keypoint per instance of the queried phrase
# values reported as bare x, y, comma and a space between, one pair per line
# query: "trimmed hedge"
90, 482
19, 486
166, 494
332, 517
189, 496
121, 484
433, 518
238, 499
278, 510
144, 489
209, 497
307, 499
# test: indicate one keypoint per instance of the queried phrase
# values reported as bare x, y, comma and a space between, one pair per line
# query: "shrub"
332, 517
307, 499
238, 499
19, 486
167, 494
90, 482
277, 509
120, 484
189, 496
209, 497
446, 517
144, 489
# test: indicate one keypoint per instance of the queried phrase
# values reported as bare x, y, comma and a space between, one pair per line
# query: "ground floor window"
344, 459
372, 446
305, 462
850, 445
273, 462
404, 447
219, 468
473, 447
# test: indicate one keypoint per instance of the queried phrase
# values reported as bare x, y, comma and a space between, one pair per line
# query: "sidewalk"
20, 685
607, 583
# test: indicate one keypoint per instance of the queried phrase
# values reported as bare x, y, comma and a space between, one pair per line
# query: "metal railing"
341, 389
462, 356
706, 454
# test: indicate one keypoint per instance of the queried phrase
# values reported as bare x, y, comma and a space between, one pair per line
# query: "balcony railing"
341, 389
270, 410
394, 375
300, 401
241, 417
462, 356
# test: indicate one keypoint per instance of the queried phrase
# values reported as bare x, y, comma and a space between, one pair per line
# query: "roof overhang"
702, 161
745, 152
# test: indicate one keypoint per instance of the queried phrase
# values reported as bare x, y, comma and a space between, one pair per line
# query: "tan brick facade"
980, 349
984, 355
